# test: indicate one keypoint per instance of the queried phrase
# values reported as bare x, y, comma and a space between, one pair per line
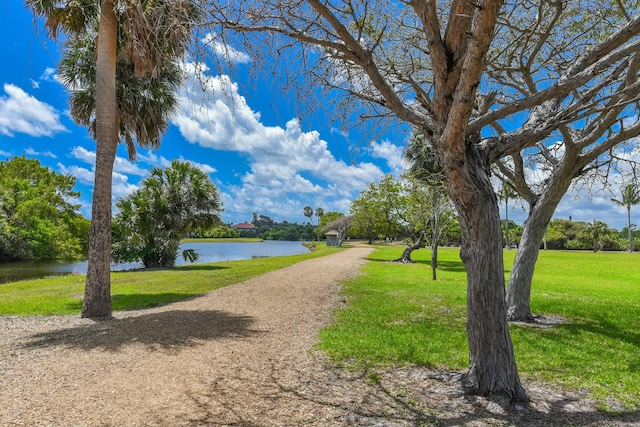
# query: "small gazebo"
332, 237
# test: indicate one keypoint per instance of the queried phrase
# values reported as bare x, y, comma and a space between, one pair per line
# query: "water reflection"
209, 252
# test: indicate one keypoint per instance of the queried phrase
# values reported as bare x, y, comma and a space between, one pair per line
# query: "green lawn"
397, 315
137, 289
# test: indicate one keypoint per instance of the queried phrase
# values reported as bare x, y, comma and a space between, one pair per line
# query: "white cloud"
286, 164
83, 175
49, 75
31, 152
153, 159
391, 152
83, 154
120, 165
208, 169
5, 153
22, 113
121, 186
224, 51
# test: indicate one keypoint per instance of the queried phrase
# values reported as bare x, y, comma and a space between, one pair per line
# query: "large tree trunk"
519, 288
493, 370
629, 234
97, 296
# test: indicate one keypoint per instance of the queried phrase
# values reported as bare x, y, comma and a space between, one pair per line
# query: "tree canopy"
38, 219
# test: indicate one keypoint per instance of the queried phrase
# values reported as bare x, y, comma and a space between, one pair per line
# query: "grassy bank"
396, 315
137, 289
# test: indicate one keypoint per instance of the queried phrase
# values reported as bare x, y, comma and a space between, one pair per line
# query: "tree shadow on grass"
453, 266
604, 328
168, 330
139, 301
142, 301
177, 269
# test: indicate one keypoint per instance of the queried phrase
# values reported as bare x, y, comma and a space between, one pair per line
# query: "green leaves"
37, 217
170, 204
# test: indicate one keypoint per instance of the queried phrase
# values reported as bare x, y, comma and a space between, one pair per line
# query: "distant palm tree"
308, 212
596, 230
507, 193
319, 215
630, 197
152, 34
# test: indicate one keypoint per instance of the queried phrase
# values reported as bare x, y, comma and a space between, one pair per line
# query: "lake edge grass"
142, 288
396, 315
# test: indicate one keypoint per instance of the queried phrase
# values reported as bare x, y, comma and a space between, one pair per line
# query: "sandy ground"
239, 356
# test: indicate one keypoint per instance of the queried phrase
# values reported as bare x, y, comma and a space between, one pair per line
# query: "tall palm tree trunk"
629, 234
97, 297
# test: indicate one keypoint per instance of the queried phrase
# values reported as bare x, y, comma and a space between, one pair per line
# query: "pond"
209, 252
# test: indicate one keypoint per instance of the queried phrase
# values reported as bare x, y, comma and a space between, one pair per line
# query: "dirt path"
239, 356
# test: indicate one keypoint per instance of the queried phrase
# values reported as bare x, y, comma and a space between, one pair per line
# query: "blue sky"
256, 150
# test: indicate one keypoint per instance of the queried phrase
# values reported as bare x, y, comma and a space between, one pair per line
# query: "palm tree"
170, 204
144, 103
630, 197
308, 212
596, 230
152, 34
507, 193
319, 215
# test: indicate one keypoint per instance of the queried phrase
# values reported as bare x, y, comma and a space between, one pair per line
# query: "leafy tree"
152, 35
630, 197
37, 217
327, 218
364, 214
170, 204
221, 231
376, 211
484, 82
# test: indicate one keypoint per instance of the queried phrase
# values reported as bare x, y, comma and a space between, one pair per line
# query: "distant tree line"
268, 229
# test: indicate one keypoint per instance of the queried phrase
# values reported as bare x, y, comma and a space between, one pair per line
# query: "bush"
577, 245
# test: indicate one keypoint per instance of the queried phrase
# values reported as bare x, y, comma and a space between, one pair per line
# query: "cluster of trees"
496, 85
268, 229
595, 235
406, 208
38, 219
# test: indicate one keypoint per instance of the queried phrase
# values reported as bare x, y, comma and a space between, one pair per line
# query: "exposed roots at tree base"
542, 321
402, 261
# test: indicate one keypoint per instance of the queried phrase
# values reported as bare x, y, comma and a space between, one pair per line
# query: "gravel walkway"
238, 356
